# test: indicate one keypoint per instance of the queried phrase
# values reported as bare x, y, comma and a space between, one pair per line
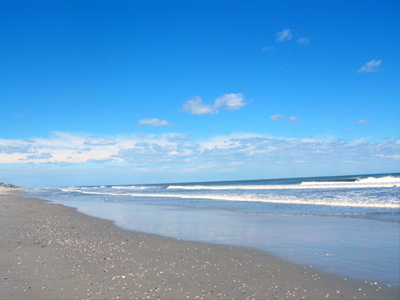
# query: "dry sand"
49, 251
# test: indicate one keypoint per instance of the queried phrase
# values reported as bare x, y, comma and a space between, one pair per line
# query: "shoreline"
53, 251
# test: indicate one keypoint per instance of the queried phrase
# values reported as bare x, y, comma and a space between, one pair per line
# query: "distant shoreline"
10, 190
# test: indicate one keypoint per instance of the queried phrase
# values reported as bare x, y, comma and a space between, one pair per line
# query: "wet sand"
49, 251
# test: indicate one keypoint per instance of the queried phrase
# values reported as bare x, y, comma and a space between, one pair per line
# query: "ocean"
348, 225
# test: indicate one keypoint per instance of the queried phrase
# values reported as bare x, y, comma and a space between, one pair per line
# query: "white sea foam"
370, 182
349, 202
132, 187
72, 189
388, 181
345, 202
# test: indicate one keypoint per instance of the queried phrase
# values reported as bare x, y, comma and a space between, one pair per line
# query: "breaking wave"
370, 182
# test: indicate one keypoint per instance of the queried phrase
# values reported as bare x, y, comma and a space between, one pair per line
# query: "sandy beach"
49, 251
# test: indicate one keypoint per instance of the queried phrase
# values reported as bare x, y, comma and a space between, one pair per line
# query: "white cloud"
39, 156
276, 117
370, 66
154, 123
346, 131
99, 142
100, 160
284, 35
292, 119
14, 149
196, 107
246, 152
231, 102
364, 122
303, 41
356, 142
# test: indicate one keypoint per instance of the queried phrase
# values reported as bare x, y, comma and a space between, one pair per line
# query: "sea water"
348, 225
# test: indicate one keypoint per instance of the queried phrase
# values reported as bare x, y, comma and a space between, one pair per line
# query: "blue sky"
120, 92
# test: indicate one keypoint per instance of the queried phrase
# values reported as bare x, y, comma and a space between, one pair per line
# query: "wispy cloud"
284, 35
14, 149
159, 148
39, 156
99, 142
293, 119
364, 122
276, 117
195, 106
100, 160
154, 123
303, 41
183, 154
395, 156
231, 102
370, 66
268, 49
